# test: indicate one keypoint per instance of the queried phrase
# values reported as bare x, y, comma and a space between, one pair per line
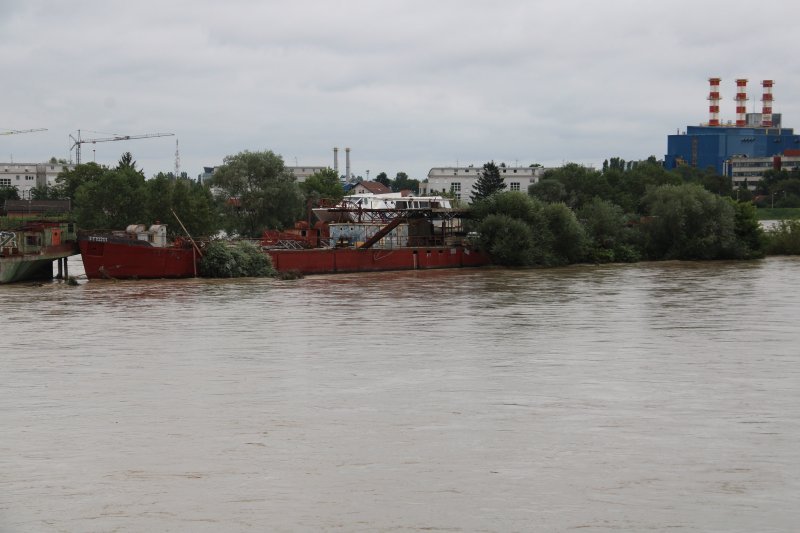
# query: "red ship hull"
109, 258
332, 260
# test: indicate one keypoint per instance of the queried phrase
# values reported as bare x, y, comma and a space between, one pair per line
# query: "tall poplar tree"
488, 183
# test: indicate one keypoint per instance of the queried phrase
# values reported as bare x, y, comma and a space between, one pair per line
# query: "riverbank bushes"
519, 230
783, 239
676, 222
235, 260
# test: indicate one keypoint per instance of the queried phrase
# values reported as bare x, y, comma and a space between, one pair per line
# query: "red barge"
333, 260
137, 253
356, 235
364, 234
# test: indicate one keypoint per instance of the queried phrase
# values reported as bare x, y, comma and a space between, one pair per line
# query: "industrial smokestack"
347, 162
336, 160
713, 99
741, 103
766, 104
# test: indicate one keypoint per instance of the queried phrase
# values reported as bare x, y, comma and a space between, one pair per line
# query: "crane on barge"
77, 142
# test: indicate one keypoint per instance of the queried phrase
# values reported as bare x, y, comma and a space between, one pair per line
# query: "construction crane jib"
77, 142
14, 132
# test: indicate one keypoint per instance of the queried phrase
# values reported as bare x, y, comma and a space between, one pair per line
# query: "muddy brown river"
648, 397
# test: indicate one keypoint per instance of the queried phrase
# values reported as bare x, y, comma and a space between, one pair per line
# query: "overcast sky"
406, 84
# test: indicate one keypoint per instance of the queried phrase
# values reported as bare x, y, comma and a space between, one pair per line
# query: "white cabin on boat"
155, 235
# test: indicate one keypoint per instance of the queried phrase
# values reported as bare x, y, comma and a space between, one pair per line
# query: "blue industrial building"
714, 146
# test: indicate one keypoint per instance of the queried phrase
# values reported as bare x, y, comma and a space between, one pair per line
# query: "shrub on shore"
235, 260
783, 239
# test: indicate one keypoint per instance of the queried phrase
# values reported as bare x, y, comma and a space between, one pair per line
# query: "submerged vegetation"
241, 259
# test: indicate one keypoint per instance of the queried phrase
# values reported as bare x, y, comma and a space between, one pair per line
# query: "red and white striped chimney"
741, 103
766, 104
713, 99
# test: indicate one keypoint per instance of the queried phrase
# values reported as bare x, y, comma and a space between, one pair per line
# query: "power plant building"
716, 145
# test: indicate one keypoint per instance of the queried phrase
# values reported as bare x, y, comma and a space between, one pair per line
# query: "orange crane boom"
77, 142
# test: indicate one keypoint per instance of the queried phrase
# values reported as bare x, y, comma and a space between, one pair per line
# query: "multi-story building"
26, 176
747, 171
301, 173
460, 180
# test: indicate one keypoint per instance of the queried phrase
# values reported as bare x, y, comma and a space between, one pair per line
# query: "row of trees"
112, 198
250, 192
401, 182
623, 213
778, 188
681, 222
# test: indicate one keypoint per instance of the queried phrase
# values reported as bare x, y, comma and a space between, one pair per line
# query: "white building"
750, 170
26, 176
301, 173
459, 180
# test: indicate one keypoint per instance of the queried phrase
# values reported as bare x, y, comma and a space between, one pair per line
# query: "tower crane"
77, 142
14, 132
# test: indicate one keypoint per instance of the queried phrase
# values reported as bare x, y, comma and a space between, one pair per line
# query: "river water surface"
612, 398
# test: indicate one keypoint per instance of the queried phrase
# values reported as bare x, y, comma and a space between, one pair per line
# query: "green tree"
688, 222
194, 204
190, 201
580, 183
258, 192
43, 192
783, 239
503, 238
402, 182
71, 180
785, 192
748, 230
323, 184
548, 190
114, 200
509, 241
158, 193
626, 189
383, 179
609, 239
126, 161
489, 182
568, 236
8, 192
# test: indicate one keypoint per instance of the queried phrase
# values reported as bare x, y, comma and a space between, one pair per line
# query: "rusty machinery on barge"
416, 233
